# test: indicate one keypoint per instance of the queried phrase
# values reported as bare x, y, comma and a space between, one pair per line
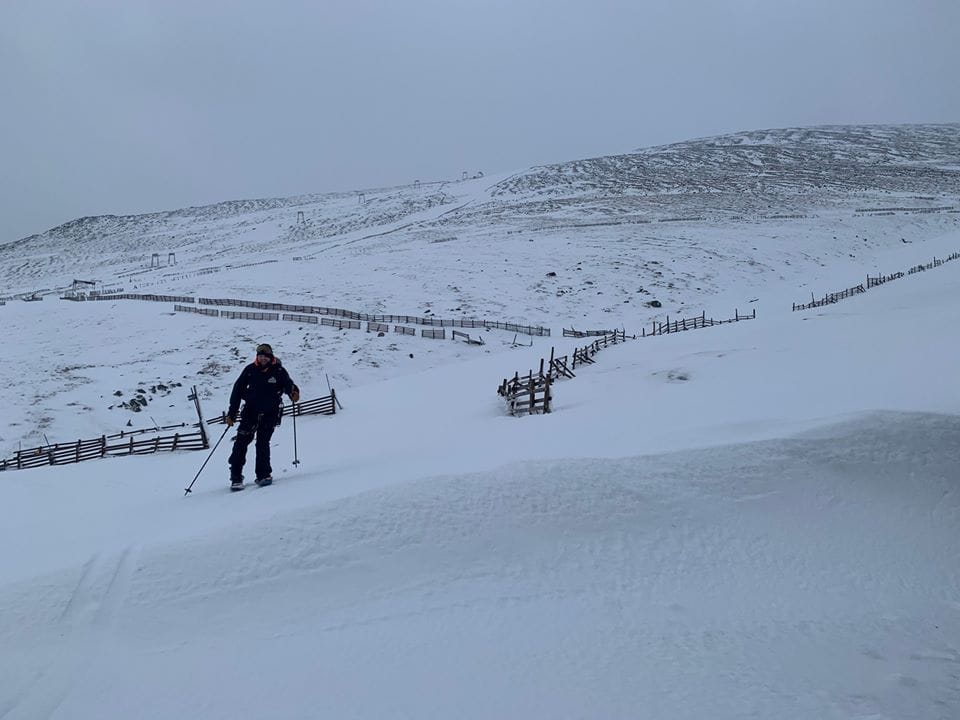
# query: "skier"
261, 386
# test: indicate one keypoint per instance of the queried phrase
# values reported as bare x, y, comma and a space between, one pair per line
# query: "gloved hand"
295, 396
230, 421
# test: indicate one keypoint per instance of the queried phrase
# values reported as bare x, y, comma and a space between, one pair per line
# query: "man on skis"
260, 386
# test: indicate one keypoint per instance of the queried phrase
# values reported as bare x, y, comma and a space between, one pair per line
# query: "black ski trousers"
262, 426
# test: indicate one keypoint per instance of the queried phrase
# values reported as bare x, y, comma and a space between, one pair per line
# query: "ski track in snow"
82, 629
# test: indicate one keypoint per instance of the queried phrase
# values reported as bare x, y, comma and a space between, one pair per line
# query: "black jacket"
261, 387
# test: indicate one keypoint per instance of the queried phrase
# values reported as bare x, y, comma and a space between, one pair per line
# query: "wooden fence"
302, 313
693, 323
326, 405
936, 263
830, 298
301, 318
457, 335
248, 315
532, 393
385, 319
340, 324
74, 452
199, 311
881, 279
152, 298
584, 333
126, 442
122, 443
872, 282
528, 395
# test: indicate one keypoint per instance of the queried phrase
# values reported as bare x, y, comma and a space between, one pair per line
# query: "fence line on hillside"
881, 279
694, 323
872, 282
326, 405
209, 312
380, 319
74, 452
301, 313
531, 393
122, 443
348, 319
151, 298
830, 298
248, 315
584, 333
126, 443
935, 264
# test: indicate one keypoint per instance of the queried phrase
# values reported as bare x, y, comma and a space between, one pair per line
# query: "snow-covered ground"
759, 520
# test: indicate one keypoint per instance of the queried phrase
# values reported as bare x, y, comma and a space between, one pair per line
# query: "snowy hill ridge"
743, 177
777, 164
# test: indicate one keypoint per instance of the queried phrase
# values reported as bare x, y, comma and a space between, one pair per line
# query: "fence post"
546, 397
203, 430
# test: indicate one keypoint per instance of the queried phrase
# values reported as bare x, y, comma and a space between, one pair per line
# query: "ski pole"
294, 413
188, 489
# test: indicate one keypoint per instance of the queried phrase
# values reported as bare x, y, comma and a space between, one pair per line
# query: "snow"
760, 519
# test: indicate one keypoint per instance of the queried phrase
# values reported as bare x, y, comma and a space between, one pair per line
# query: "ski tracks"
84, 625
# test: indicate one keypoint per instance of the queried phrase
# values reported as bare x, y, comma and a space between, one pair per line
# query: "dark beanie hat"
264, 349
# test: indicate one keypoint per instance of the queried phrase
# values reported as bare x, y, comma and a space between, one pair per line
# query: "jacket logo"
272, 380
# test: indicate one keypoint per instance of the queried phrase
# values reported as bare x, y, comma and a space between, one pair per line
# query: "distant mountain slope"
908, 158
735, 177
730, 182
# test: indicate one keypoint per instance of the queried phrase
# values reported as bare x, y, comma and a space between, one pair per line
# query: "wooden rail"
693, 323
326, 405
584, 333
872, 282
74, 452
532, 393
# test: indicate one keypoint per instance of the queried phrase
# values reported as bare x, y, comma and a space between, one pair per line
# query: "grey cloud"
141, 105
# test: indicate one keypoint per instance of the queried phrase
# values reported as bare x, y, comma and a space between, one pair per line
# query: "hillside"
728, 204
760, 519
587, 244
753, 520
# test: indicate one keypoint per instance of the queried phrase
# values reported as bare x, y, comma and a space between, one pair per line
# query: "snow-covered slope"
719, 203
585, 244
760, 519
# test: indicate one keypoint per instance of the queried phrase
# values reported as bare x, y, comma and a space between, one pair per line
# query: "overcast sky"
130, 106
